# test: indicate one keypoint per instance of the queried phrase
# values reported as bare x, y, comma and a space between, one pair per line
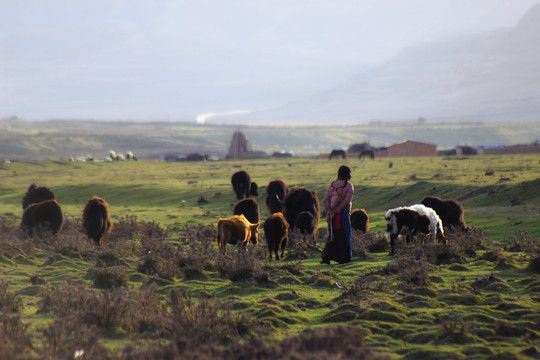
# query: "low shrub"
412, 267
522, 242
534, 265
137, 312
192, 324
198, 250
298, 246
10, 302
243, 264
15, 340
110, 278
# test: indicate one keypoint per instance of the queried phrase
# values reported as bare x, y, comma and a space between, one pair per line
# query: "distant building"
467, 150
411, 148
533, 148
241, 149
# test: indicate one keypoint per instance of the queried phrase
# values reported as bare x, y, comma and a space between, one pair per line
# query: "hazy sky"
171, 60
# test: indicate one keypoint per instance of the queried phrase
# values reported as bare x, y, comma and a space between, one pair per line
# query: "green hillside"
158, 287
62, 140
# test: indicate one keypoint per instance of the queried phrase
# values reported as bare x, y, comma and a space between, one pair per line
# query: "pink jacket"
338, 197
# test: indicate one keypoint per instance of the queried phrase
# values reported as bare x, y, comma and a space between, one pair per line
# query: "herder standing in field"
338, 204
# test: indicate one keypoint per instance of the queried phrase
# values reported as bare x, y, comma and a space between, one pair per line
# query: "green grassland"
65, 139
158, 282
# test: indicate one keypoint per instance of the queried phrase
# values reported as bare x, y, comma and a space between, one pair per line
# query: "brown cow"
275, 231
45, 215
97, 219
234, 230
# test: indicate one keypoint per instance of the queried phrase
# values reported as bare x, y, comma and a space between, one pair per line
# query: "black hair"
344, 173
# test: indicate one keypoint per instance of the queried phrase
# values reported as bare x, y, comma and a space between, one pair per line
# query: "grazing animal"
97, 219
435, 224
36, 194
250, 209
43, 215
242, 185
336, 153
449, 210
276, 191
405, 221
275, 231
234, 230
301, 199
360, 220
305, 223
253, 189
367, 153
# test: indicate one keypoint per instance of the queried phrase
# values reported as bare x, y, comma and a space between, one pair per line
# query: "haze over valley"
270, 62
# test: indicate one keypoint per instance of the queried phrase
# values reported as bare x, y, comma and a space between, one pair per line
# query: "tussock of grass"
244, 264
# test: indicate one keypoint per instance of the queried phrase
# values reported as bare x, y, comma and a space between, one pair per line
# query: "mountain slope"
492, 76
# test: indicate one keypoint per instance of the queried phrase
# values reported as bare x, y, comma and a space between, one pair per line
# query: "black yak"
450, 211
234, 230
367, 153
360, 220
242, 185
337, 153
46, 215
253, 189
276, 191
298, 200
275, 231
250, 209
97, 219
36, 194
305, 223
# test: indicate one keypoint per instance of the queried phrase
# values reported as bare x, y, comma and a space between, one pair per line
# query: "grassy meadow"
157, 288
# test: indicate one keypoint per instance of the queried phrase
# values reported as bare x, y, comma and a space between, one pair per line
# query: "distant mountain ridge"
493, 76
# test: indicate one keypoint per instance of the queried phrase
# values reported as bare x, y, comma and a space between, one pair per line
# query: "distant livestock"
46, 215
450, 211
242, 186
404, 221
275, 231
36, 194
234, 230
301, 199
197, 157
97, 219
367, 153
360, 220
276, 191
250, 209
337, 153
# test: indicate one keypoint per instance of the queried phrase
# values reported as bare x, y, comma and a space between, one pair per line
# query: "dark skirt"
338, 246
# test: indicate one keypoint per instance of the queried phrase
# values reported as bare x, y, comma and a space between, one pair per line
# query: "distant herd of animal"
290, 209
